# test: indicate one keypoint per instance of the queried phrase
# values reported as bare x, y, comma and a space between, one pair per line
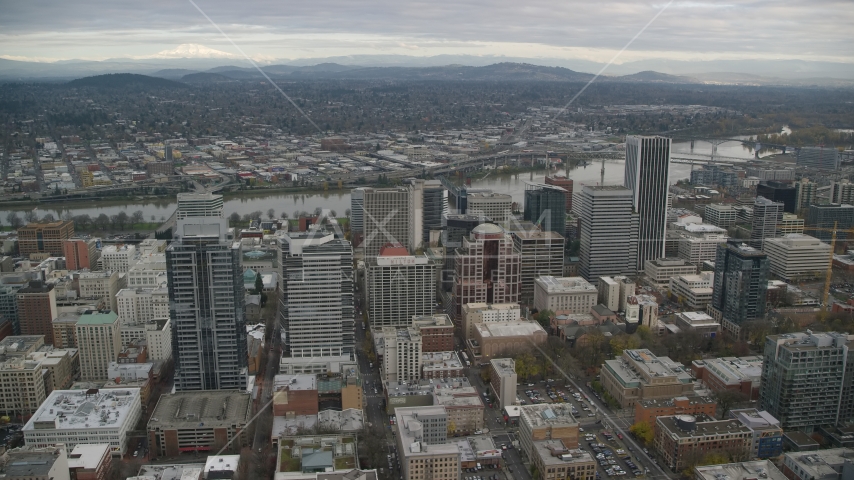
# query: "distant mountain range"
443, 67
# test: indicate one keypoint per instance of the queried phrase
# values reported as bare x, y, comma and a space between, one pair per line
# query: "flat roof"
503, 366
222, 463
212, 408
547, 414
703, 429
88, 455
108, 318
28, 463
406, 421
565, 284
554, 452
190, 471
80, 409
821, 463
734, 369
735, 471
299, 381
513, 328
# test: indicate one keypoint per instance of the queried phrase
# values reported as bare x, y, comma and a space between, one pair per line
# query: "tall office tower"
317, 294
427, 202
81, 253
741, 283
541, 254
821, 158
99, 342
206, 306
807, 380
37, 309
805, 193
357, 216
545, 205
386, 219
648, 177
399, 286
564, 183
767, 217
780, 192
497, 207
487, 269
9, 306
199, 205
608, 232
47, 237
456, 226
821, 218
842, 192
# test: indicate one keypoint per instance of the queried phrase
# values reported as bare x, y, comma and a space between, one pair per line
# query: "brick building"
648, 410
681, 439
295, 394
37, 309
44, 237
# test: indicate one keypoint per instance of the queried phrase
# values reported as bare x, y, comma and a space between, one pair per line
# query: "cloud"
818, 29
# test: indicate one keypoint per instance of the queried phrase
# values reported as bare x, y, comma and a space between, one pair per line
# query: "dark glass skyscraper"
740, 285
206, 305
648, 177
545, 205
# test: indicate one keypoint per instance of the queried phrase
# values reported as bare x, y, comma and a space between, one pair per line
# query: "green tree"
259, 284
642, 431
726, 399
544, 318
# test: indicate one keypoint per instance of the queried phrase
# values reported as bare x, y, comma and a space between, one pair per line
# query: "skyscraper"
842, 192
821, 219
199, 205
399, 286
487, 269
540, 253
317, 294
206, 305
357, 216
37, 309
740, 285
81, 253
608, 233
822, 158
564, 183
427, 202
767, 217
386, 218
805, 193
545, 205
780, 192
648, 177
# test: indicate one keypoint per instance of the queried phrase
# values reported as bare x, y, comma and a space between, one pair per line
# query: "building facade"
608, 232
767, 216
740, 284
541, 253
647, 175
564, 295
399, 286
385, 218
796, 256
48, 237
99, 343
545, 206
37, 309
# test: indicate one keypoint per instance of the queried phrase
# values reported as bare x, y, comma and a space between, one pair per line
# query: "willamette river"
340, 200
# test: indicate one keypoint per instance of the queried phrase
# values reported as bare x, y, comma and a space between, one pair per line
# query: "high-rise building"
609, 232
779, 192
427, 203
805, 193
487, 269
357, 215
386, 218
740, 284
545, 205
37, 309
199, 205
564, 183
81, 253
767, 216
720, 215
47, 237
399, 286
648, 177
206, 297
99, 343
821, 220
842, 192
118, 258
9, 306
317, 294
402, 356
821, 158
540, 253
498, 207
807, 379
456, 226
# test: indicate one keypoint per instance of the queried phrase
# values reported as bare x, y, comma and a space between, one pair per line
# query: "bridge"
718, 141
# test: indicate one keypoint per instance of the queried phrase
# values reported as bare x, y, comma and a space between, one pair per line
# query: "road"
265, 388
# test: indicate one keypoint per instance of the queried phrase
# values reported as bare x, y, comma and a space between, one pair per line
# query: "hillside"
121, 80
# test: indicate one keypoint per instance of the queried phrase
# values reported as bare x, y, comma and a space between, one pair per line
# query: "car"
620, 436
580, 429
504, 447
510, 469
136, 453
591, 414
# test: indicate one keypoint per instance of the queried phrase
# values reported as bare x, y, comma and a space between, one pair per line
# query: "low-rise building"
295, 395
752, 469
547, 422
680, 439
555, 461
698, 322
648, 410
465, 410
35, 463
661, 270
640, 375
85, 416
739, 374
494, 339
475, 313
91, 461
767, 440
694, 291
796, 256
564, 295
437, 332
831, 464
199, 421
441, 365
503, 380
423, 446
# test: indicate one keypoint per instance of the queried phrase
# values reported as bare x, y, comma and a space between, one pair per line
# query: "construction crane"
826, 296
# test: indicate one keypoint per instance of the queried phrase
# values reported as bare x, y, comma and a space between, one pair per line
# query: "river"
340, 200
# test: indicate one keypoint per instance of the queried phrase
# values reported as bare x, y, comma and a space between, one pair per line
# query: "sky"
268, 30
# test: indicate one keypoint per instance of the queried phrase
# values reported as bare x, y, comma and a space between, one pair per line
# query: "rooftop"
554, 452
431, 361
821, 463
736, 471
733, 369
672, 426
82, 409
206, 408
190, 471
108, 318
565, 284
30, 462
503, 366
639, 366
542, 415
408, 427
457, 386
221, 463
88, 455
515, 328
300, 381
697, 319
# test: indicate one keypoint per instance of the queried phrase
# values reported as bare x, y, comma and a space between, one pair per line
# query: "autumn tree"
643, 431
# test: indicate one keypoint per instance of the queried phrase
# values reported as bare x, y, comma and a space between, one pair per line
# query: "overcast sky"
274, 29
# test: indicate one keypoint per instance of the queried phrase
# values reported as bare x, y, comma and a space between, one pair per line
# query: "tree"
271, 214
283, 215
259, 284
82, 221
726, 399
31, 216
544, 318
623, 342
122, 219
137, 217
48, 217
14, 220
234, 218
643, 431
102, 222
